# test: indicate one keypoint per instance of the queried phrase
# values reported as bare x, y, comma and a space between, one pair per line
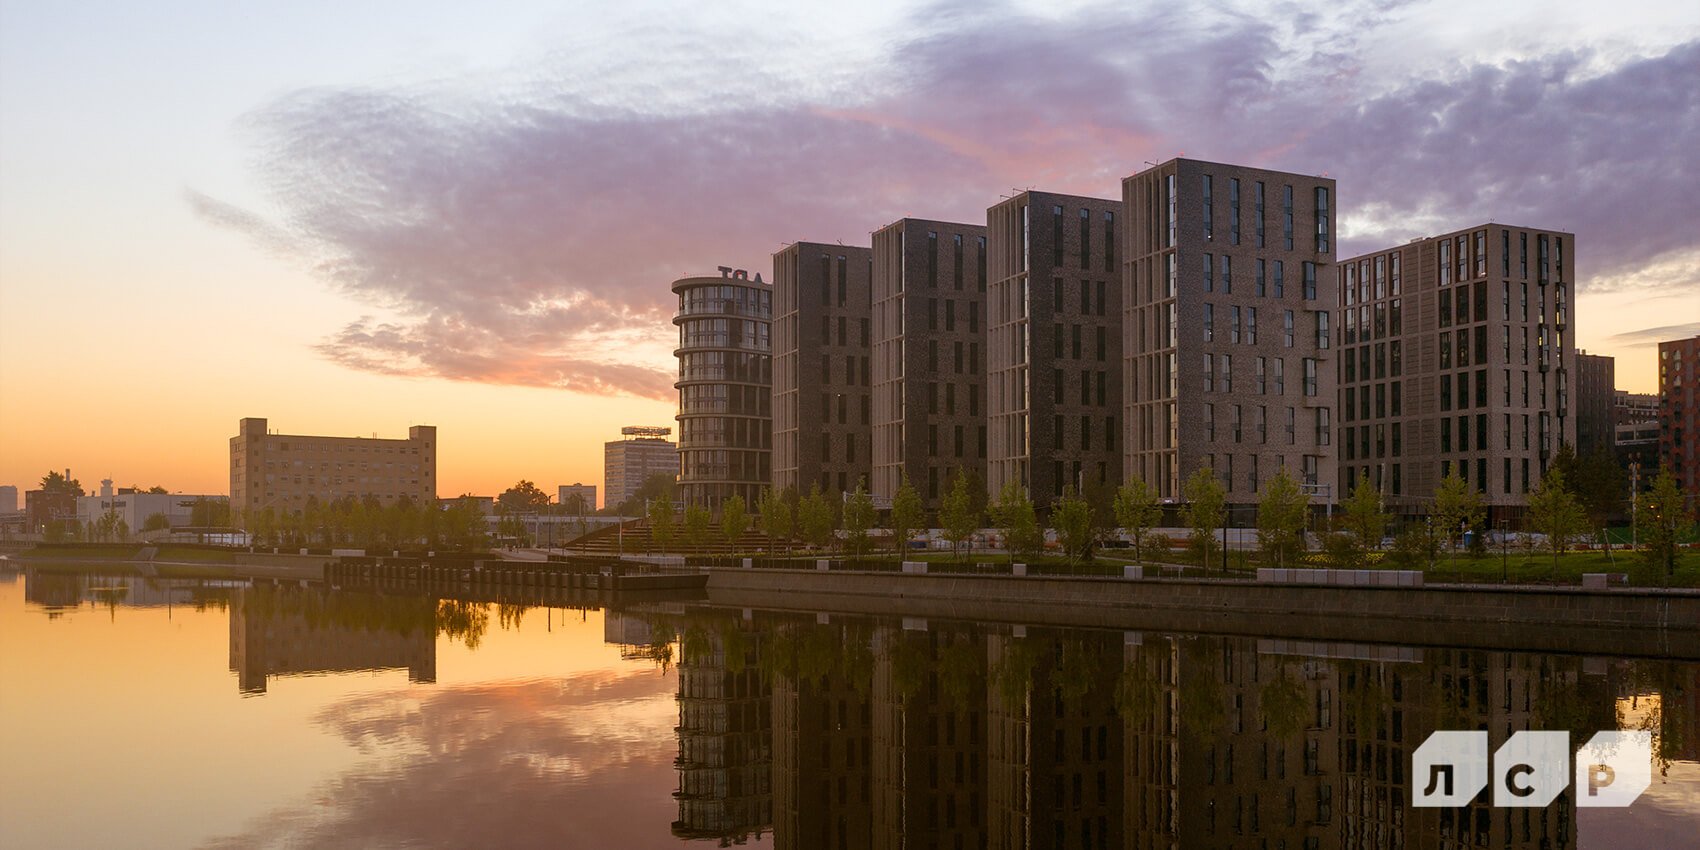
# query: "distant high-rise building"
1458, 359
821, 387
8, 499
281, 472
1679, 402
1229, 285
643, 451
585, 494
929, 394
725, 387
1054, 344
1596, 381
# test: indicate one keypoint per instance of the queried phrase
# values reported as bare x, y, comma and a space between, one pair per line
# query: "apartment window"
1102, 342
1292, 432
1056, 237
1234, 324
1445, 262
1262, 375
1227, 269
1233, 211
1280, 278
1209, 322
1209, 372
1238, 431
1310, 376
1257, 213
1280, 376
825, 369
1209, 272
1321, 328
1445, 392
980, 259
1109, 241
1085, 387
1321, 220
1209, 221
1227, 373
1169, 185
1309, 280
1085, 238
1056, 386
1074, 341
1210, 422
1287, 216
1258, 285
1323, 428
1287, 328
1262, 424
1395, 318
1056, 432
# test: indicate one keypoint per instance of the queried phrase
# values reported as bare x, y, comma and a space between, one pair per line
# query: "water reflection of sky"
169, 715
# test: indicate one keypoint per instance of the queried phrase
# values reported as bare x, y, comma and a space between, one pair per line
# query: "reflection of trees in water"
1200, 699
1012, 674
1668, 718
1077, 670
1283, 703
1138, 691
463, 621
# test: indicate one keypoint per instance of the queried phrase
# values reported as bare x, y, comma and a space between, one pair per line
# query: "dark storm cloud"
528, 237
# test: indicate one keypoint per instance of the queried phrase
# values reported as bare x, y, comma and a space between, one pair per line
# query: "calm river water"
173, 713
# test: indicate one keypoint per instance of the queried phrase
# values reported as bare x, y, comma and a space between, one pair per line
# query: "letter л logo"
1449, 769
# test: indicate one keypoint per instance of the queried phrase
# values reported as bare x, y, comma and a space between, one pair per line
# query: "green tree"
698, 522
859, 517
957, 515
156, 522
1457, 506
1137, 512
1555, 512
907, 514
814, 518
210, 513
734, 520
1205, 512
1363, 516
661, 523
1663, 513
775, 517
1014, 515
56, 482
523, 497
661, 485
1343, 550
1281, 516
1072, 518
158, 490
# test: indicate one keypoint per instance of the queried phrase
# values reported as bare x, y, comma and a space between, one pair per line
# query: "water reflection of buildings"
906, 735
281, 631
57, 593
725, 737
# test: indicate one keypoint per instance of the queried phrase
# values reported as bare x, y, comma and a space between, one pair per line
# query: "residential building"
929, 341
1228, 282
584, 495
282, 472
1054, 344
822, 415
1634, 407
8, 499
1596, 377
725, 387
1459, 358
641, 453
1679, 439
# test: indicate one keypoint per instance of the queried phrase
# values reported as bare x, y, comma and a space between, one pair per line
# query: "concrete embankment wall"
1614, 622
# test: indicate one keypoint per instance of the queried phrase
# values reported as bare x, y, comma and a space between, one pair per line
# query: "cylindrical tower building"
725, 387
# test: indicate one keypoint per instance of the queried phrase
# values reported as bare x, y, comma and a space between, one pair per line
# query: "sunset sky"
353, 217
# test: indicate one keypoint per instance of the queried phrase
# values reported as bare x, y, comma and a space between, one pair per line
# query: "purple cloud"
530, 240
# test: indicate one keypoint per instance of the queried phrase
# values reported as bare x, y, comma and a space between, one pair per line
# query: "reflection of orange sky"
137, 709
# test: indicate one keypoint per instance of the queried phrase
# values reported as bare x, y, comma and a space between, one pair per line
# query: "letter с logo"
1614, 768
1449, 769
1530, 769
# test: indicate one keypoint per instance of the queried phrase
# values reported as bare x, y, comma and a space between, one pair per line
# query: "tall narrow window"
1287, 216
1109, 241
1321, 219
1056, 237
956, 262
1209, 212
1233, 211
1170, 187
1085, 238
1257, 214
1309, 281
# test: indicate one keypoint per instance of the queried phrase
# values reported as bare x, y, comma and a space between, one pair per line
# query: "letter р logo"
1614, 768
